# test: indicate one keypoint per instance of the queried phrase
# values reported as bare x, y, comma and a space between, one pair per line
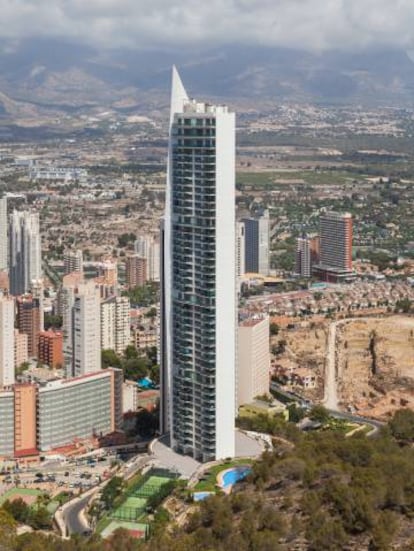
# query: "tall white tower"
6, 341
25, 260
81, 328
87, 330
199, 289
3, 233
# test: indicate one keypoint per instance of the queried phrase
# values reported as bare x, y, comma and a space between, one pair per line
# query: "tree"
274, 329
7, 530
402, 424
319, 413
110, 359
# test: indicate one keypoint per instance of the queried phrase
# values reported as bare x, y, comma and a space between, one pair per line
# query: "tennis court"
135, 529
134, 507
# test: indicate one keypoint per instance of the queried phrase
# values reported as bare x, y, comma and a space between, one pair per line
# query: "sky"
314, 25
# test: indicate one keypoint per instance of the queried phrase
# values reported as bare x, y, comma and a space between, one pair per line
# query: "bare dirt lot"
375, 365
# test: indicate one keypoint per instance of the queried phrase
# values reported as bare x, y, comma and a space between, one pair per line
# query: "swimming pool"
226, 479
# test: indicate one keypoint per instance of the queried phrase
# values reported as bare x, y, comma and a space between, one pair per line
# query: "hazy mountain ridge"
64, 76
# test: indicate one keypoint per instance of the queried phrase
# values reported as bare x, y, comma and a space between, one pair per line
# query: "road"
330, 399
73, 517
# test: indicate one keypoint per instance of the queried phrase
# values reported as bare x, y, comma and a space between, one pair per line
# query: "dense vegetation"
143, 295
133, 364
327, 492
318, 491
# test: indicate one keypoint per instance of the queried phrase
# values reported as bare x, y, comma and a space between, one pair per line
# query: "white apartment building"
199, 286
81, 328
3, 233
73, 261
253, 360
148, 247
115, 324
6, 341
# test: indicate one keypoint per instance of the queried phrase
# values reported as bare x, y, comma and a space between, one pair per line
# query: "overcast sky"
303, 24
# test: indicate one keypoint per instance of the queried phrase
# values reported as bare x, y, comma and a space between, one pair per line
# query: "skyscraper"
135, 271
148, 247
6, 341
3, 233
199, 295
82, 329
256, 231
335, 262
240, 249
29, 321
25, 262
115, 324
307, 254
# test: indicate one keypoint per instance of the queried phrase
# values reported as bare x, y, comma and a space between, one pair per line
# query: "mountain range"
39, 75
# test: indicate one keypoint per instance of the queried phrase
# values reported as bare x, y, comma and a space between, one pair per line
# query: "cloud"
304, 24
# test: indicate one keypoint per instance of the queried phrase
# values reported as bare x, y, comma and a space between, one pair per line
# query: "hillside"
49, 73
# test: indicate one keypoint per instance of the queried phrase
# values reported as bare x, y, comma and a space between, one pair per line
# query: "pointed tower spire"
178, 94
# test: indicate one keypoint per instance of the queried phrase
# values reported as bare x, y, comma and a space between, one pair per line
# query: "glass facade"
193, 241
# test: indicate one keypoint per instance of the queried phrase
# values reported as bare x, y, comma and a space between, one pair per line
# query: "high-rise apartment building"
115, 324
25, 262
148, 247
199, 294
73, 261
21, 343
29, 321
335, 262
82, 329
253, 360
135, 271
256, 236
6, 341
307, 254
240, 249
51, 348
3, 233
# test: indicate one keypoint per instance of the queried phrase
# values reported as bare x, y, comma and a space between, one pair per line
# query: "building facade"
73, 261
253, 360
6, 341
335, 262
21, 352
81, 328
148, 247
199, 294
51, 348
240, 249
3, 234
29, 322
115, 324
307, 254
135, 271
256, 232
25, 261
36, 418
